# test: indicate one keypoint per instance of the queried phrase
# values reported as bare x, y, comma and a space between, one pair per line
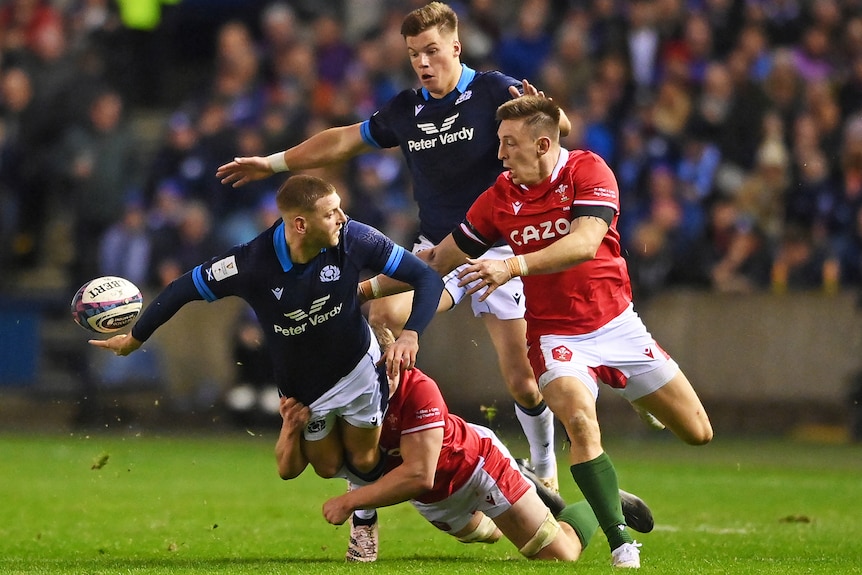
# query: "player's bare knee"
365, 462
701, 436
328, 469
580, 423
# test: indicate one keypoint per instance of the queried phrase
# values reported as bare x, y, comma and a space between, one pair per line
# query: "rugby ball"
106, 304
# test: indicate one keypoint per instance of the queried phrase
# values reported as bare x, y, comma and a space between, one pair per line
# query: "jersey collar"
279, 242
467, 75
555, 173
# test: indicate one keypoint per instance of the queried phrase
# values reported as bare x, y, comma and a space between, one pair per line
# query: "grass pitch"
148, 504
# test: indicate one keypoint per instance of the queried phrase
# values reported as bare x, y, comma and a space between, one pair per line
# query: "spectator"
764, 192
98, 158
181, 250
522, 51
800, 265
644, 45
21, 22
568, 71
126, 247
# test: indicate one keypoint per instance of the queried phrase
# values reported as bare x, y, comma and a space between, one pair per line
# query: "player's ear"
299, 224
456, 48
543, 144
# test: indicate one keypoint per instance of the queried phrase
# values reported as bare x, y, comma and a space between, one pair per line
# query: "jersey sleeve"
177, 294
424, 407
596, 189
386, 257
377, 130
502, 82
208, 281
477, 232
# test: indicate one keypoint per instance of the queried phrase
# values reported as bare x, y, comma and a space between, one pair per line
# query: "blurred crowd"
734, 126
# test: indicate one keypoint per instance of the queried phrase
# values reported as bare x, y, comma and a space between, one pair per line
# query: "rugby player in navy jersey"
448, 135
300, 277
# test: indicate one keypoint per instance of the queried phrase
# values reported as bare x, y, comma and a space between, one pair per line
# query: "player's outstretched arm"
177, 294
327, 147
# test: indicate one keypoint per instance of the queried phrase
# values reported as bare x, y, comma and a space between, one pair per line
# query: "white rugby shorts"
495, 485
356, 399
621, 354
506, 302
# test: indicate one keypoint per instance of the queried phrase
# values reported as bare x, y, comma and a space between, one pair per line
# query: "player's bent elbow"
287, 470
420, 479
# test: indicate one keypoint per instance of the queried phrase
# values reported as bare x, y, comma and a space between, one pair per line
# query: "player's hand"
336, 511
242, 171
529, 90
294, 415
484, 274
401, 355
122, 344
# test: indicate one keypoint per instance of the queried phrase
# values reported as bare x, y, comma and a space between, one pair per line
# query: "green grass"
214, 504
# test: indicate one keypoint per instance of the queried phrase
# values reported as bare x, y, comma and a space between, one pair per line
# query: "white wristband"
276, 162
375, 287
523, 263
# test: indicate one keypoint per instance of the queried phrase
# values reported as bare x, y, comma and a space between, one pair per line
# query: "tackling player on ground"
458, 475
300, 277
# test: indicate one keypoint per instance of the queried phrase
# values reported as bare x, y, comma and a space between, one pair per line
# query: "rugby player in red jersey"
558, 210
458, 475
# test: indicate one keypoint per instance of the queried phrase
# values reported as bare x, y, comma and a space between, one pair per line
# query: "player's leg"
503, 314
645, 374
531, 527
573, 402
678, 407
364, 464
321, 444
364, 540
537, 421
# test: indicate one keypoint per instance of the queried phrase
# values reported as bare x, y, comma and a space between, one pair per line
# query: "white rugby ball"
106, 304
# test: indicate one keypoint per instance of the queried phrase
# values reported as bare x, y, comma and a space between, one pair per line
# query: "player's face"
519, 152
325, 224
436, 60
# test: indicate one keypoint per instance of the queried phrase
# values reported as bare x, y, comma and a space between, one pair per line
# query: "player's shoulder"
420, 387
355, 230
494, 78
404, 100
585, 158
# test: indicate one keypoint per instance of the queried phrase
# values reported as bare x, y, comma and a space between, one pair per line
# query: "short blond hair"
435, 14
301, 192
384, 336
540, 114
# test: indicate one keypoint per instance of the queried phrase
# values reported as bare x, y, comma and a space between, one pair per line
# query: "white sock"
539, 430
362, 514
365, 514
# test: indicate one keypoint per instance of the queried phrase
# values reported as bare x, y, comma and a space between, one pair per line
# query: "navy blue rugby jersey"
310, 313
450, 144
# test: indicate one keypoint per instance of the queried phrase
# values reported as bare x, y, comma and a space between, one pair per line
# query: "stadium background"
733, 127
